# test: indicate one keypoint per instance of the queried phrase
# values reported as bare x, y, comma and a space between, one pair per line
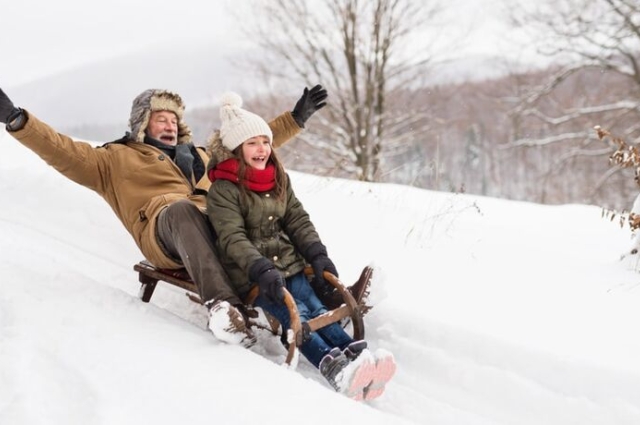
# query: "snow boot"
346, 377
359, 291
353, 350
229, 324
385, 368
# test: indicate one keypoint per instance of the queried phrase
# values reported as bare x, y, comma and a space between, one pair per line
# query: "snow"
497, 312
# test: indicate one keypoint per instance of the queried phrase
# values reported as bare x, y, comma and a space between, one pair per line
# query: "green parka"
253, 225
137, 180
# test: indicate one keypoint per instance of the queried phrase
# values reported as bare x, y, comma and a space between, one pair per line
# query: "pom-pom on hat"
239, 125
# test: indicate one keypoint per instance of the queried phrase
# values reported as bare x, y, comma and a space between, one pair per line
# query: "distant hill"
93, 101
99, 95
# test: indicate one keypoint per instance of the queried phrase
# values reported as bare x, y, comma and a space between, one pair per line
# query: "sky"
80, 64
44, 37
497, 312
50, 37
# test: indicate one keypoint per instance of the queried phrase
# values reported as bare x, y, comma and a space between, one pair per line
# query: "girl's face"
256, 152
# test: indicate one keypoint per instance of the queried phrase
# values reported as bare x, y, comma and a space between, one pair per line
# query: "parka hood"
152, 100
217, 151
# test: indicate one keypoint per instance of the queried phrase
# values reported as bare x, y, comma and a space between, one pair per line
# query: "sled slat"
149, 276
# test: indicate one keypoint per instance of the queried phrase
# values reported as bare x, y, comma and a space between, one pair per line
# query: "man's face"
163, 126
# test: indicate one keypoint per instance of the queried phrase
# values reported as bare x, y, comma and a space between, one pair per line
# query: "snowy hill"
96, 97
498, 312
100, 93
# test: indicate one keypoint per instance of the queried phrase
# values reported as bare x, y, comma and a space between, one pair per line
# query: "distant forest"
479, 139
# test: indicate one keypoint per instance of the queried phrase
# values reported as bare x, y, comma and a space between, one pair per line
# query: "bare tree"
370, 54
596, 46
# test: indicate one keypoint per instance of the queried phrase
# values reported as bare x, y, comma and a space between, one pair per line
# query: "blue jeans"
309, 306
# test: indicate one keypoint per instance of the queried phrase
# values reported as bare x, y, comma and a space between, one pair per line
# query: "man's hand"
7, 108
311, 101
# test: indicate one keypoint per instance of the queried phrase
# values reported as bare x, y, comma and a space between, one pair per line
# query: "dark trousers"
188, 237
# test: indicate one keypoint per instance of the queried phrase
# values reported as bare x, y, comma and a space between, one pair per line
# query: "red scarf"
255, 180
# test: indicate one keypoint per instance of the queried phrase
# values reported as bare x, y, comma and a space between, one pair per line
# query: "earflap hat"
152, 100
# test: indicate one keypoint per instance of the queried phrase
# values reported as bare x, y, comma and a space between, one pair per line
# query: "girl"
265, 237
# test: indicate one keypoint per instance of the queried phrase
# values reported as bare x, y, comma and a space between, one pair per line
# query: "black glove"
7, 108
311, 101
270, 281
316, 254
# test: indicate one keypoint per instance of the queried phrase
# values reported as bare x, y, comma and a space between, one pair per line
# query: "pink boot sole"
362, 377
385, 368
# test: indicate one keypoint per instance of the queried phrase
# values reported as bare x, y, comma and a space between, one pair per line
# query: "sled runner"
149, 276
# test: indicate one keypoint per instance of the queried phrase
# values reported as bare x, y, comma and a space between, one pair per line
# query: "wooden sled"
149, 276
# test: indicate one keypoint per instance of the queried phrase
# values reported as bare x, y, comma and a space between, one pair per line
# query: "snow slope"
498, 312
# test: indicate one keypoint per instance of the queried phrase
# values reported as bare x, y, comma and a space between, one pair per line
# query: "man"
154, 179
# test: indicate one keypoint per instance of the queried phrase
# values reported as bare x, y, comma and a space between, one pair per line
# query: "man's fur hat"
152, 100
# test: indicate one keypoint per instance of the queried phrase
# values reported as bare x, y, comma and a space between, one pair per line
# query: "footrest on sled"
149, 276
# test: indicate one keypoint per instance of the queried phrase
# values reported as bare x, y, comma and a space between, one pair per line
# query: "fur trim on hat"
152, 100
239, 125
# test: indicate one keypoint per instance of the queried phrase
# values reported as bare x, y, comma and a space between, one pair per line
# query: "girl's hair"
281, 179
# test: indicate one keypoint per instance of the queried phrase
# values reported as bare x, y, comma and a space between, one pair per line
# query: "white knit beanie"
239, 125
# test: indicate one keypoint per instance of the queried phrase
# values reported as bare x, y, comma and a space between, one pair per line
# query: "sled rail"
149, 276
